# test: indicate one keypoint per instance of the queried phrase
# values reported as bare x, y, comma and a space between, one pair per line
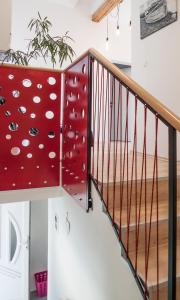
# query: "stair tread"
162, 210
112, 197
152, 265
163, 245
163, 165
148, 179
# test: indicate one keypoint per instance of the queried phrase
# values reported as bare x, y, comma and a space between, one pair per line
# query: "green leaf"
57, 49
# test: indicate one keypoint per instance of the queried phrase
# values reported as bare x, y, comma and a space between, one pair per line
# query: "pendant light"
117, 28
107, 35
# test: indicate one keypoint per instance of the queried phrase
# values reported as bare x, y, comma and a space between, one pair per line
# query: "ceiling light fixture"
107, 35
117, 28
130, 25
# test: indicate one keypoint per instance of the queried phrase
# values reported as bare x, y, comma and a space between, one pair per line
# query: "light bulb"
130, 25
107, 44
117, 30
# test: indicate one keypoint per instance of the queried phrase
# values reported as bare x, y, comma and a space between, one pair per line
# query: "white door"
14, 251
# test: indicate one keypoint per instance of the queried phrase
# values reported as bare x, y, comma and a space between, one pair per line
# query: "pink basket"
41, 283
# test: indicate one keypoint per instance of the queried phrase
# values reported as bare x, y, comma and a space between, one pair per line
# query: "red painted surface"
32, 167
41, 280
75, 124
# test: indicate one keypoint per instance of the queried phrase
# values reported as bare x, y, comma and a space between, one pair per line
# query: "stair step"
163, 246
130, 236
133, 218
163, 208
163, 291
163, 185
152, 270
108, 171
134, 189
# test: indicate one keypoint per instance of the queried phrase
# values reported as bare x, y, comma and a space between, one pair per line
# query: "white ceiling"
93, 4
68, 3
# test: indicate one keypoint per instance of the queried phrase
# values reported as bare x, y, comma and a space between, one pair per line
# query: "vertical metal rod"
100, 100
104, 131
89, 141
121, 163
110, 116
172, 214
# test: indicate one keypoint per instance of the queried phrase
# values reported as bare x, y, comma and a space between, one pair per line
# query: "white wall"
155, 60
156, 65
5, 24
87, 262
95, 5
39, 239
78, 22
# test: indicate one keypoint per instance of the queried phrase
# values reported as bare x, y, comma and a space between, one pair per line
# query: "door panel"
14, 251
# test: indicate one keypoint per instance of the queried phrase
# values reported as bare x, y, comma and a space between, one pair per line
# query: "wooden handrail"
151, 101
5, 65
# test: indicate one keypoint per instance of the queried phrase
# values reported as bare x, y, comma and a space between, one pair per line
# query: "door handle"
25, 243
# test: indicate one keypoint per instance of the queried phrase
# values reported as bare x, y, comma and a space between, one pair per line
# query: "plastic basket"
41, 283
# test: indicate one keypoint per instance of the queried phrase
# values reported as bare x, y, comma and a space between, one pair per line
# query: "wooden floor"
33, 296
157, 255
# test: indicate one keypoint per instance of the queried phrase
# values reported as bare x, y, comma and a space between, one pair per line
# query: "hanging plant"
57, 49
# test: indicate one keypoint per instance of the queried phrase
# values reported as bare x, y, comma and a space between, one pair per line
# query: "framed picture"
156, 14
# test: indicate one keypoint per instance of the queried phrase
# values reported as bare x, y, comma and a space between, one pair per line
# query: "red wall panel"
75, 124
29, 128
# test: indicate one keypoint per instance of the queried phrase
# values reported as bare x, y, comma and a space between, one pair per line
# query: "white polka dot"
52, 154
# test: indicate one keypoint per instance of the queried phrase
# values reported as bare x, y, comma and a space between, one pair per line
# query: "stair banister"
161, 114
145, 96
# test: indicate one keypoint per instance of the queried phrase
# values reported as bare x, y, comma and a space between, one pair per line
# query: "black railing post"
89, 141
172, 214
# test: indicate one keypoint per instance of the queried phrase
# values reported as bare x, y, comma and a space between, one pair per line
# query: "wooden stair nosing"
133, 225
149, 179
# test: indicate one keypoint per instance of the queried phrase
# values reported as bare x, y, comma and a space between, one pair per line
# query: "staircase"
114, 134
138, 180
129, 233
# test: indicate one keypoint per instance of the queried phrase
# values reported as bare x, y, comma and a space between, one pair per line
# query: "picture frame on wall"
155, 15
